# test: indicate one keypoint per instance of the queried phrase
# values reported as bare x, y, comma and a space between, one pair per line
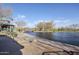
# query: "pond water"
64, 37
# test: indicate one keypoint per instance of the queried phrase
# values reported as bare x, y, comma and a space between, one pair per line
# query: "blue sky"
60, 14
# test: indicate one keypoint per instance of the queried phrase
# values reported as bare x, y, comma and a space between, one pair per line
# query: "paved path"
9, 46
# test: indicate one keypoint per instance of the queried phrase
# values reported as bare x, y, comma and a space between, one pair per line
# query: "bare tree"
5, 12
20, 23
45, 26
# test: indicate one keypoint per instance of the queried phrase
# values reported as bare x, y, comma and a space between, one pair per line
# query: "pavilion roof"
5, 20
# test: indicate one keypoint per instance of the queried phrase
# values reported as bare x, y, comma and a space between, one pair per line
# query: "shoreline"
32, 44
46, 40
55, 31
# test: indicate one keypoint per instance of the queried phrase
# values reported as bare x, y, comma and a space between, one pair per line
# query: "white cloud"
19, 17
60, 23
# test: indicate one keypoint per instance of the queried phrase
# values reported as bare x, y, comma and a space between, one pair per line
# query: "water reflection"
46, 35
64, 37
